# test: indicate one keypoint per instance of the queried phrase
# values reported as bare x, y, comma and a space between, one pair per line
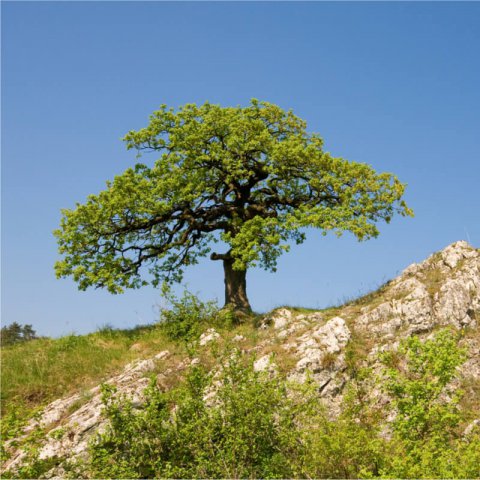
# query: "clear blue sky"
395, 85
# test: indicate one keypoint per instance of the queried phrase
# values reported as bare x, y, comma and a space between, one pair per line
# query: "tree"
15, 333
251, 177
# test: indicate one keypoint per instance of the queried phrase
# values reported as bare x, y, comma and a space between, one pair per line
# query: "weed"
328, 360
433, 279
357, 350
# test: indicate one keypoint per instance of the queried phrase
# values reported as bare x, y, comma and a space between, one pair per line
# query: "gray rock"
314, 346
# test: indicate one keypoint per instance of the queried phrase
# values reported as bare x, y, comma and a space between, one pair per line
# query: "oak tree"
251, 178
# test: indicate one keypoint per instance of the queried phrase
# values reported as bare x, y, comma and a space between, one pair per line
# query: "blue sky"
395, 85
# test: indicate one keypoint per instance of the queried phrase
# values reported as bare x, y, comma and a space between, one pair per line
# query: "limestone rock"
456, 252
279, 318
475, 425
442, 290
239, 338
314, 346
209, 336
265, 363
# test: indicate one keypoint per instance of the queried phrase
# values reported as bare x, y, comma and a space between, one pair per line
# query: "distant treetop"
15, 333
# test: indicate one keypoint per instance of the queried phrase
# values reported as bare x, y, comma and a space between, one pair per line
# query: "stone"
280, 318
313, 347
475, 425
265, 363
334, 335
209, 336
454, 253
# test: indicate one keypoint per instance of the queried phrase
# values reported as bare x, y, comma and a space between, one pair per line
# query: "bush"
236, 424
187, 317
348, 446
244, 424
427, 441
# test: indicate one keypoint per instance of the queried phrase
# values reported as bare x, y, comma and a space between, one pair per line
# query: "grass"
298, 309
433, 280
39, 371
357, 350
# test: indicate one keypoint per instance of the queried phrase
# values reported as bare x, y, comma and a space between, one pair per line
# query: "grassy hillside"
42, 370
254, 429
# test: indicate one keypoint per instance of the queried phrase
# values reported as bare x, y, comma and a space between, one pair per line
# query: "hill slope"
328, 347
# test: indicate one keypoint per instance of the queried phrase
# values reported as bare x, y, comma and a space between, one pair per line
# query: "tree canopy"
251, 177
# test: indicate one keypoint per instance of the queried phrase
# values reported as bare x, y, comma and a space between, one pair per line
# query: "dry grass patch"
328, 360
283, 358
358, 349
433, 280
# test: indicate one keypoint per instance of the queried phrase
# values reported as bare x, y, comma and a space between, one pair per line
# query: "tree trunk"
235, 287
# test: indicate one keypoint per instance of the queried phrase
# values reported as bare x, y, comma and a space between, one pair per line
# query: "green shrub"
12, 428
234, 422
418, 388
243, 430
187, 317
348, 446
256, 426
427, 441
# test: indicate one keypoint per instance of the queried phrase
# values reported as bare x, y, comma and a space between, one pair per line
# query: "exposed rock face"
320, 351
444, 290
314, 346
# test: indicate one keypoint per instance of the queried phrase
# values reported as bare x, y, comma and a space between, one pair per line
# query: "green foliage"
418, 388
348, 446
12, 429
427, 438
15, 333
252, 177
13, 422
244, 424
236, 424
34, 467
186, 318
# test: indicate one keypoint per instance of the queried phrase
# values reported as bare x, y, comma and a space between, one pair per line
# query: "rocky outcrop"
444, 290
